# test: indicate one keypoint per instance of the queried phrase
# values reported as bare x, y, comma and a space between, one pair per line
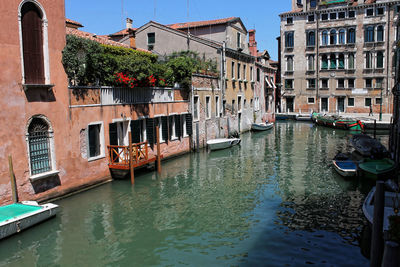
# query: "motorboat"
345, 165
19, 216
262, 126
222, 143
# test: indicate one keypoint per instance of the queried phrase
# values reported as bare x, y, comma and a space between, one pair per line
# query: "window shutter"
189, 126
164, 122
113, 135
32, 44
150, 130
136, 129
170, 128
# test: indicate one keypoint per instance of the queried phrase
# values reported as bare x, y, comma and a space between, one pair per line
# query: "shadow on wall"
40, 95
43, 185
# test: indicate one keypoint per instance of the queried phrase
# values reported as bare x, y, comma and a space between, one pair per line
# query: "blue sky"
108, 16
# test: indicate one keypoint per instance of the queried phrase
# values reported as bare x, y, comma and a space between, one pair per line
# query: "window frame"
309, 102
101, 140
217, 106
207, 105
348, 101
196, 108
365, 102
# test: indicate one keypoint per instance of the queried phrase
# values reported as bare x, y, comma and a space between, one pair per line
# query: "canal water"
273, 201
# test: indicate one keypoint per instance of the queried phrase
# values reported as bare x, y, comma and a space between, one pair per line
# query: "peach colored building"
58, 135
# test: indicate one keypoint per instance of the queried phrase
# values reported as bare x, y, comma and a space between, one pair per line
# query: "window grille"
39, 146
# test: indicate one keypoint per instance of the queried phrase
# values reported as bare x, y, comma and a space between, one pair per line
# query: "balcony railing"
106, 96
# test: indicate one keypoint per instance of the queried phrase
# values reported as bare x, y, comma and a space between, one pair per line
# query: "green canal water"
273, 201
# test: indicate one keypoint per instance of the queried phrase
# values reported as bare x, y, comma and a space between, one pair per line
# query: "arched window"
325, 38
311, 38
368, 60
342, 36
324, 62
379, 60
341, 62
333, 62
351, 62
32, 21
311, 63
369, 34
289, 66
351, 36
332, 39
39, 137
379, 33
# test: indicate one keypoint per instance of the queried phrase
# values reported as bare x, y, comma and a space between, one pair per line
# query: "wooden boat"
19, 216
338, 122
345, 165
368, 207
300, 117
262, 126
368, 146
377, 168
222, 143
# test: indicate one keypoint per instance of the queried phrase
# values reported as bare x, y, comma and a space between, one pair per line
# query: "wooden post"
131, 159
391, 255
158, 150
13, 182
377, 226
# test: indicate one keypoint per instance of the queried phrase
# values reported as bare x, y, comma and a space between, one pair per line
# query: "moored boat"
19, 216
345, 165
338, 122
377, 168
368, 207
262, 126
368, 146
222, 143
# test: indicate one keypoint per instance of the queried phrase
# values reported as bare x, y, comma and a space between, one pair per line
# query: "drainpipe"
317, 63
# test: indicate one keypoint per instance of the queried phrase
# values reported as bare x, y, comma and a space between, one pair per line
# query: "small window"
217, 107
324, 16
332, 16
39, 146
251, 74
350, 102
379, 60
368, 60
380, 11
289, 63
196, 108
378, 100
233, 70
310, 38
208, 107
238, 71
342, 36
244, 73
379, 33
351, 36
324, 37
289, 20
379, 83
239, 104
342, 15
352, 14
311, 84
238, 40
324, 62
311, 63
151, 40
369, 12
341, 83
311, 100
368, 83
288, 84
332, 39
324, 83
95, 140
351, 62
350, 83
289, 40
367, 101
311, 18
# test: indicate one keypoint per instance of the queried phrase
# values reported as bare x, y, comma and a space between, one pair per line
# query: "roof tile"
195, 24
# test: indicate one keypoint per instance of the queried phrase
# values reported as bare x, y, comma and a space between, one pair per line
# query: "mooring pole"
158, 150
13, 182
377, 227
390, 257
131, 159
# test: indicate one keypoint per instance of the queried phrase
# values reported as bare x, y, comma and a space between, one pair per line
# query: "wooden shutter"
189, 124
150, 134
32, 43
164, 122
136, 129
170, 128
113, 135
178, 125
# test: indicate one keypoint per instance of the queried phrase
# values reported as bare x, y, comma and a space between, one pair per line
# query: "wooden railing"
119, 155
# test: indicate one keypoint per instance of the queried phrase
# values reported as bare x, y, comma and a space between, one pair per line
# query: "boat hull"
348, 169
261, 126
217, 144
377, 169
21, 222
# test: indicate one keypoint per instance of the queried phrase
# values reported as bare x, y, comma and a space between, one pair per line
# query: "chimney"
252, 42
129, 23
132, 38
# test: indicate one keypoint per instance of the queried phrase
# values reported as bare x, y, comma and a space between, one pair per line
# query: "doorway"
324, 104
289, 104
340, 104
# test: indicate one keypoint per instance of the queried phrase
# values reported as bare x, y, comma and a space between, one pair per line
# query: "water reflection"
274, 199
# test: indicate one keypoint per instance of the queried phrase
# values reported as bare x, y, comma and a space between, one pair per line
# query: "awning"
266, 79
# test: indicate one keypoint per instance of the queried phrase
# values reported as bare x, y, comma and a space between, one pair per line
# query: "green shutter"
136, 129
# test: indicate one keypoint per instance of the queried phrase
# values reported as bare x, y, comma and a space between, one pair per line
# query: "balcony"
81, 96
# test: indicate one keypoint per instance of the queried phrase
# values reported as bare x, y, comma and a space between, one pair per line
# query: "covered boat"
262, 126
222, 143
345, 165
338, 122
19, 216
377, 168
369, 147
368, 207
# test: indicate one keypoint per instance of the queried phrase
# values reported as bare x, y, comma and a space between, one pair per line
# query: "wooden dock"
132, 156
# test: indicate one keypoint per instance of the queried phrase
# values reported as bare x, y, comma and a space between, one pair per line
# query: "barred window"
39, 146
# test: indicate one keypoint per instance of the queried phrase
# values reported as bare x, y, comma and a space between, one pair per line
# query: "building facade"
337, 56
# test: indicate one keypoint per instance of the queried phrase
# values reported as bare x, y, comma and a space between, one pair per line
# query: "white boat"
262, 126
368, 207
19, 216
302, 117
222, 143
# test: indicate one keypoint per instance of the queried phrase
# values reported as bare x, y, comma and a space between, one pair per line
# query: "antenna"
155, 10
188, 16
122, 12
